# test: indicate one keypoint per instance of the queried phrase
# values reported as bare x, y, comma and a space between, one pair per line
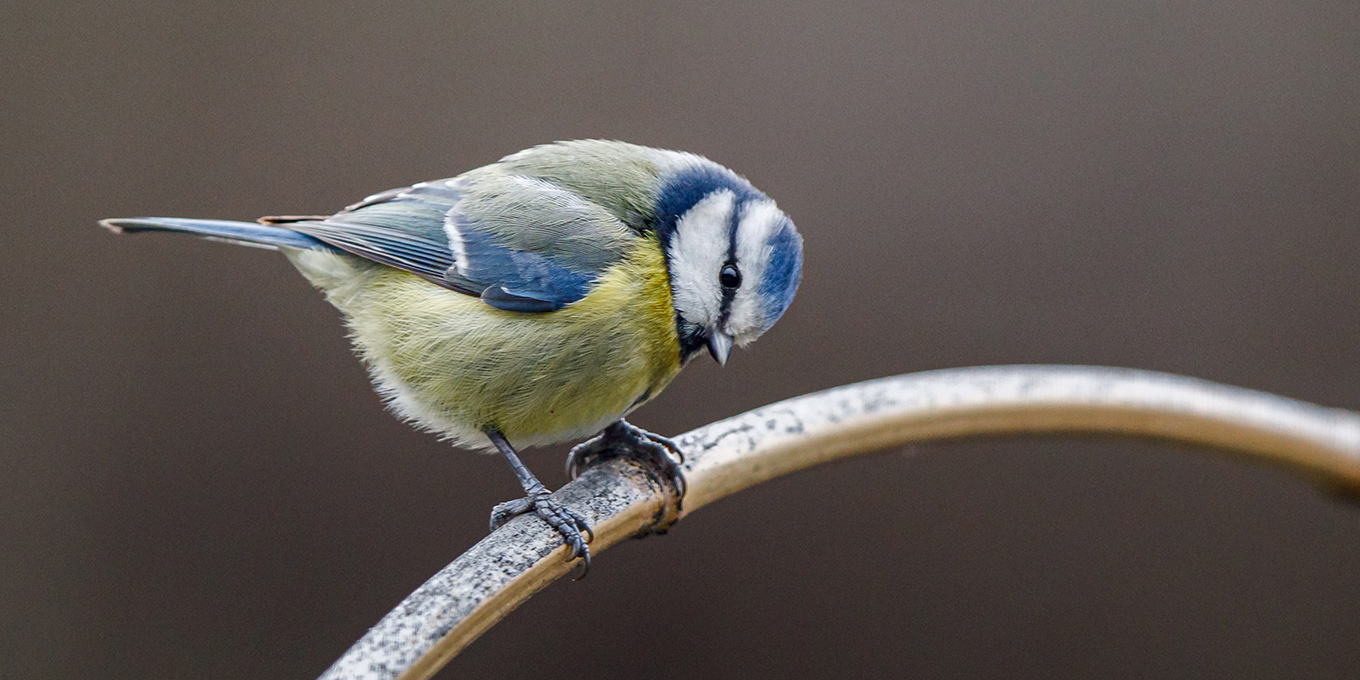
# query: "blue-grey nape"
783, 273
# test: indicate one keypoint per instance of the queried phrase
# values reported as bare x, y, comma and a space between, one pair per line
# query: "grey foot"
624, 439
562, 519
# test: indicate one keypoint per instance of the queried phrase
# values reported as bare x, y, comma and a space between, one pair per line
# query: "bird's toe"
509, 510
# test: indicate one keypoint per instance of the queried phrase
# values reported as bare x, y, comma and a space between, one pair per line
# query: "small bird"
544, 297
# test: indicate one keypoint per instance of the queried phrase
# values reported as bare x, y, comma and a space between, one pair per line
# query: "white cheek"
746, 320
698, 250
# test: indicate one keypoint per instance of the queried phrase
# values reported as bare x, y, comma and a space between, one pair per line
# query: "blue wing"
520, 244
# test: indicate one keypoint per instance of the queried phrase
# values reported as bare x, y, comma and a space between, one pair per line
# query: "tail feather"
242, 233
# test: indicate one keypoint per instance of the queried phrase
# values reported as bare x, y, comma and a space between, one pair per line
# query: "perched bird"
543, 297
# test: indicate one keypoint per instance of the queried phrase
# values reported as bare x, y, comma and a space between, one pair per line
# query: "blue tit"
544, 297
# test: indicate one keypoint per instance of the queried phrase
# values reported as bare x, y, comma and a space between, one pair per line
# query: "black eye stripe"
730, 292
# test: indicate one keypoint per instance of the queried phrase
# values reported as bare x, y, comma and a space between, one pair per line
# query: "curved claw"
662, 448
565, 521
662, 455
681, 484
624, 435
580, 522
667, 442
585, 566
578, 454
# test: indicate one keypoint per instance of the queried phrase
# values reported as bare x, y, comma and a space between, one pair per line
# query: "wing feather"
519, 243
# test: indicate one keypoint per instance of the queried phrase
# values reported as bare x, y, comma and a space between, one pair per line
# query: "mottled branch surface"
622, 500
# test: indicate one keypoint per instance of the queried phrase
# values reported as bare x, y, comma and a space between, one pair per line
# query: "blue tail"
243, 233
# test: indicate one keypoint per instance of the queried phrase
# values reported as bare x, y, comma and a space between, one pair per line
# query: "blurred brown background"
197, 482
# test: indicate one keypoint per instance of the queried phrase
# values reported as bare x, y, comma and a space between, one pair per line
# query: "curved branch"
621, 500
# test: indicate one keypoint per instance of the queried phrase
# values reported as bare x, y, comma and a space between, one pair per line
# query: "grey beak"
719, 345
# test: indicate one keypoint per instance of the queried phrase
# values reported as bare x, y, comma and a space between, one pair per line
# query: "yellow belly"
455, 365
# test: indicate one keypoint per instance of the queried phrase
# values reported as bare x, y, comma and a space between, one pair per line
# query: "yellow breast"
455, 365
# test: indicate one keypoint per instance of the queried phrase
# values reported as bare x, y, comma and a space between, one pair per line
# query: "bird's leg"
623, 439
539, 500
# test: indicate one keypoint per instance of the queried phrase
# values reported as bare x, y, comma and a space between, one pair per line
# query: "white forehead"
759, 220
757, 225
698, 249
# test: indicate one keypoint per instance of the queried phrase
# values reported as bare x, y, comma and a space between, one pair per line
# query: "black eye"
729, 277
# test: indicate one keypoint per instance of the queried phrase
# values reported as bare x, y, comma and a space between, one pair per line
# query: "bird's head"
735, 259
